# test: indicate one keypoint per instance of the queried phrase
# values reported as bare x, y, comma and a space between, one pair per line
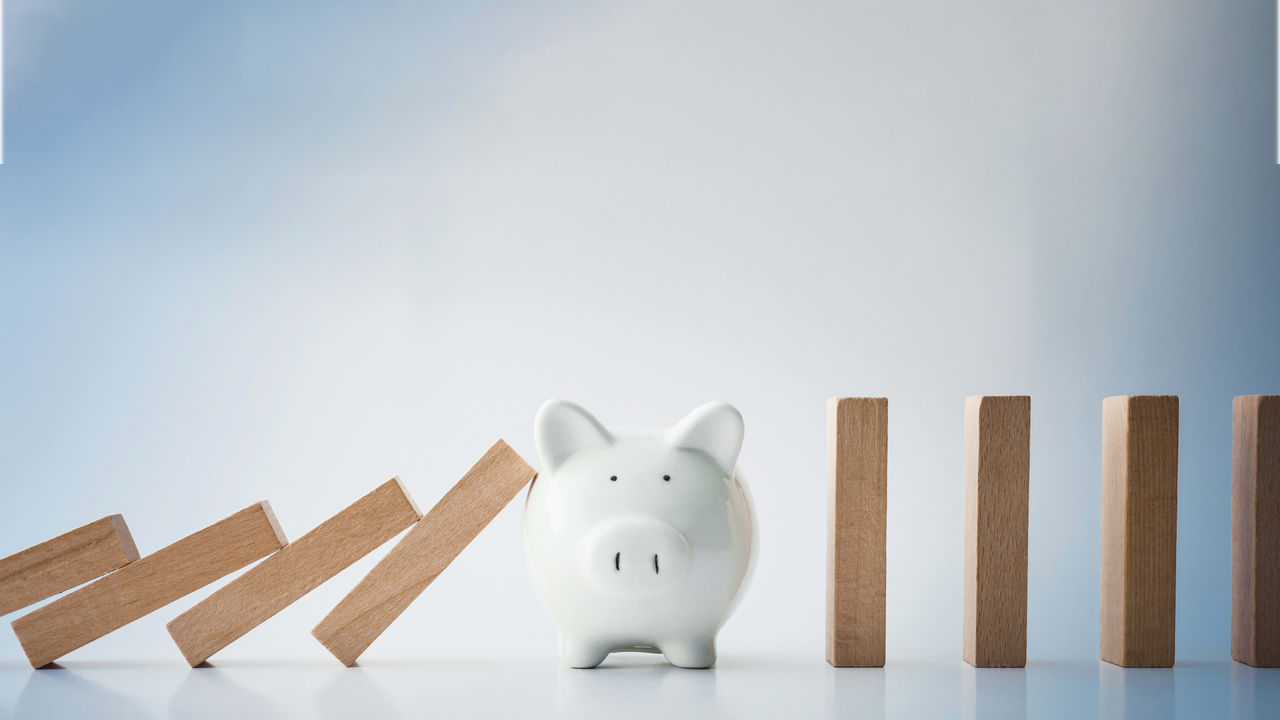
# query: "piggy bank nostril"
633, 554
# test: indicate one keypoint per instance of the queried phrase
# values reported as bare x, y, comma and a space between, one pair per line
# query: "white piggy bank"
638, 540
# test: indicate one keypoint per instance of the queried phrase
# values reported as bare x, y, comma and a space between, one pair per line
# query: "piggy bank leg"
690, 652
582, 653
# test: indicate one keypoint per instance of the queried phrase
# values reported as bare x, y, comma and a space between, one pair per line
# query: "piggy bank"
638, 540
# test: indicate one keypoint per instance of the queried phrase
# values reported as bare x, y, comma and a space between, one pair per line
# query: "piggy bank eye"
613, 478
666, 478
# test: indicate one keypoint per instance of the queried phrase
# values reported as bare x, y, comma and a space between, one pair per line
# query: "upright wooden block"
1255, 531
300, 567
423, 553
1139, 529
64, 562
148, 584
857, 487
997, 468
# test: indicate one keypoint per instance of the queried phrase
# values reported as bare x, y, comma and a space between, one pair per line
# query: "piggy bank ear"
562, 429
715, 429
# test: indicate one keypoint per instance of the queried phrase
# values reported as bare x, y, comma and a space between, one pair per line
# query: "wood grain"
423, 553
64, 562
148, 584
1255, 530
1139, 529
997, 468
857, 502
300, 567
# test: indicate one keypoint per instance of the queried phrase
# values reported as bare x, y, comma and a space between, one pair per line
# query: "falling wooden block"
300, 567
423, 553
148, 584
997, 466
64, 562
1255, 531
857, 484
1139, 529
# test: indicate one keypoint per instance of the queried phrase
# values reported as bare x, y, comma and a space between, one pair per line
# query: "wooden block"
148, 584
300, 567
64, 562
1255, 531
997, 468
423, 553
1139, 529
857, 485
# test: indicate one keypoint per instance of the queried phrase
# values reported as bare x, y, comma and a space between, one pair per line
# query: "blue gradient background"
286, 250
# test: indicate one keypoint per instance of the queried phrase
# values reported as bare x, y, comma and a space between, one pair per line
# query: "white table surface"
632, 686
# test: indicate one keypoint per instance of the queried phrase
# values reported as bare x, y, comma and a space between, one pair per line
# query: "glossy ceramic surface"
638, 540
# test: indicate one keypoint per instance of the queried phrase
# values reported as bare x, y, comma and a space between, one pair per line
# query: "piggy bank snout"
635, 555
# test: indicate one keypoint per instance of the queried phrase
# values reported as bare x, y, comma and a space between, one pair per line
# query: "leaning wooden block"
148, 584
423, 553
64, 562
300, 567
1139, 529
997, 464
1255, 531
857, 502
